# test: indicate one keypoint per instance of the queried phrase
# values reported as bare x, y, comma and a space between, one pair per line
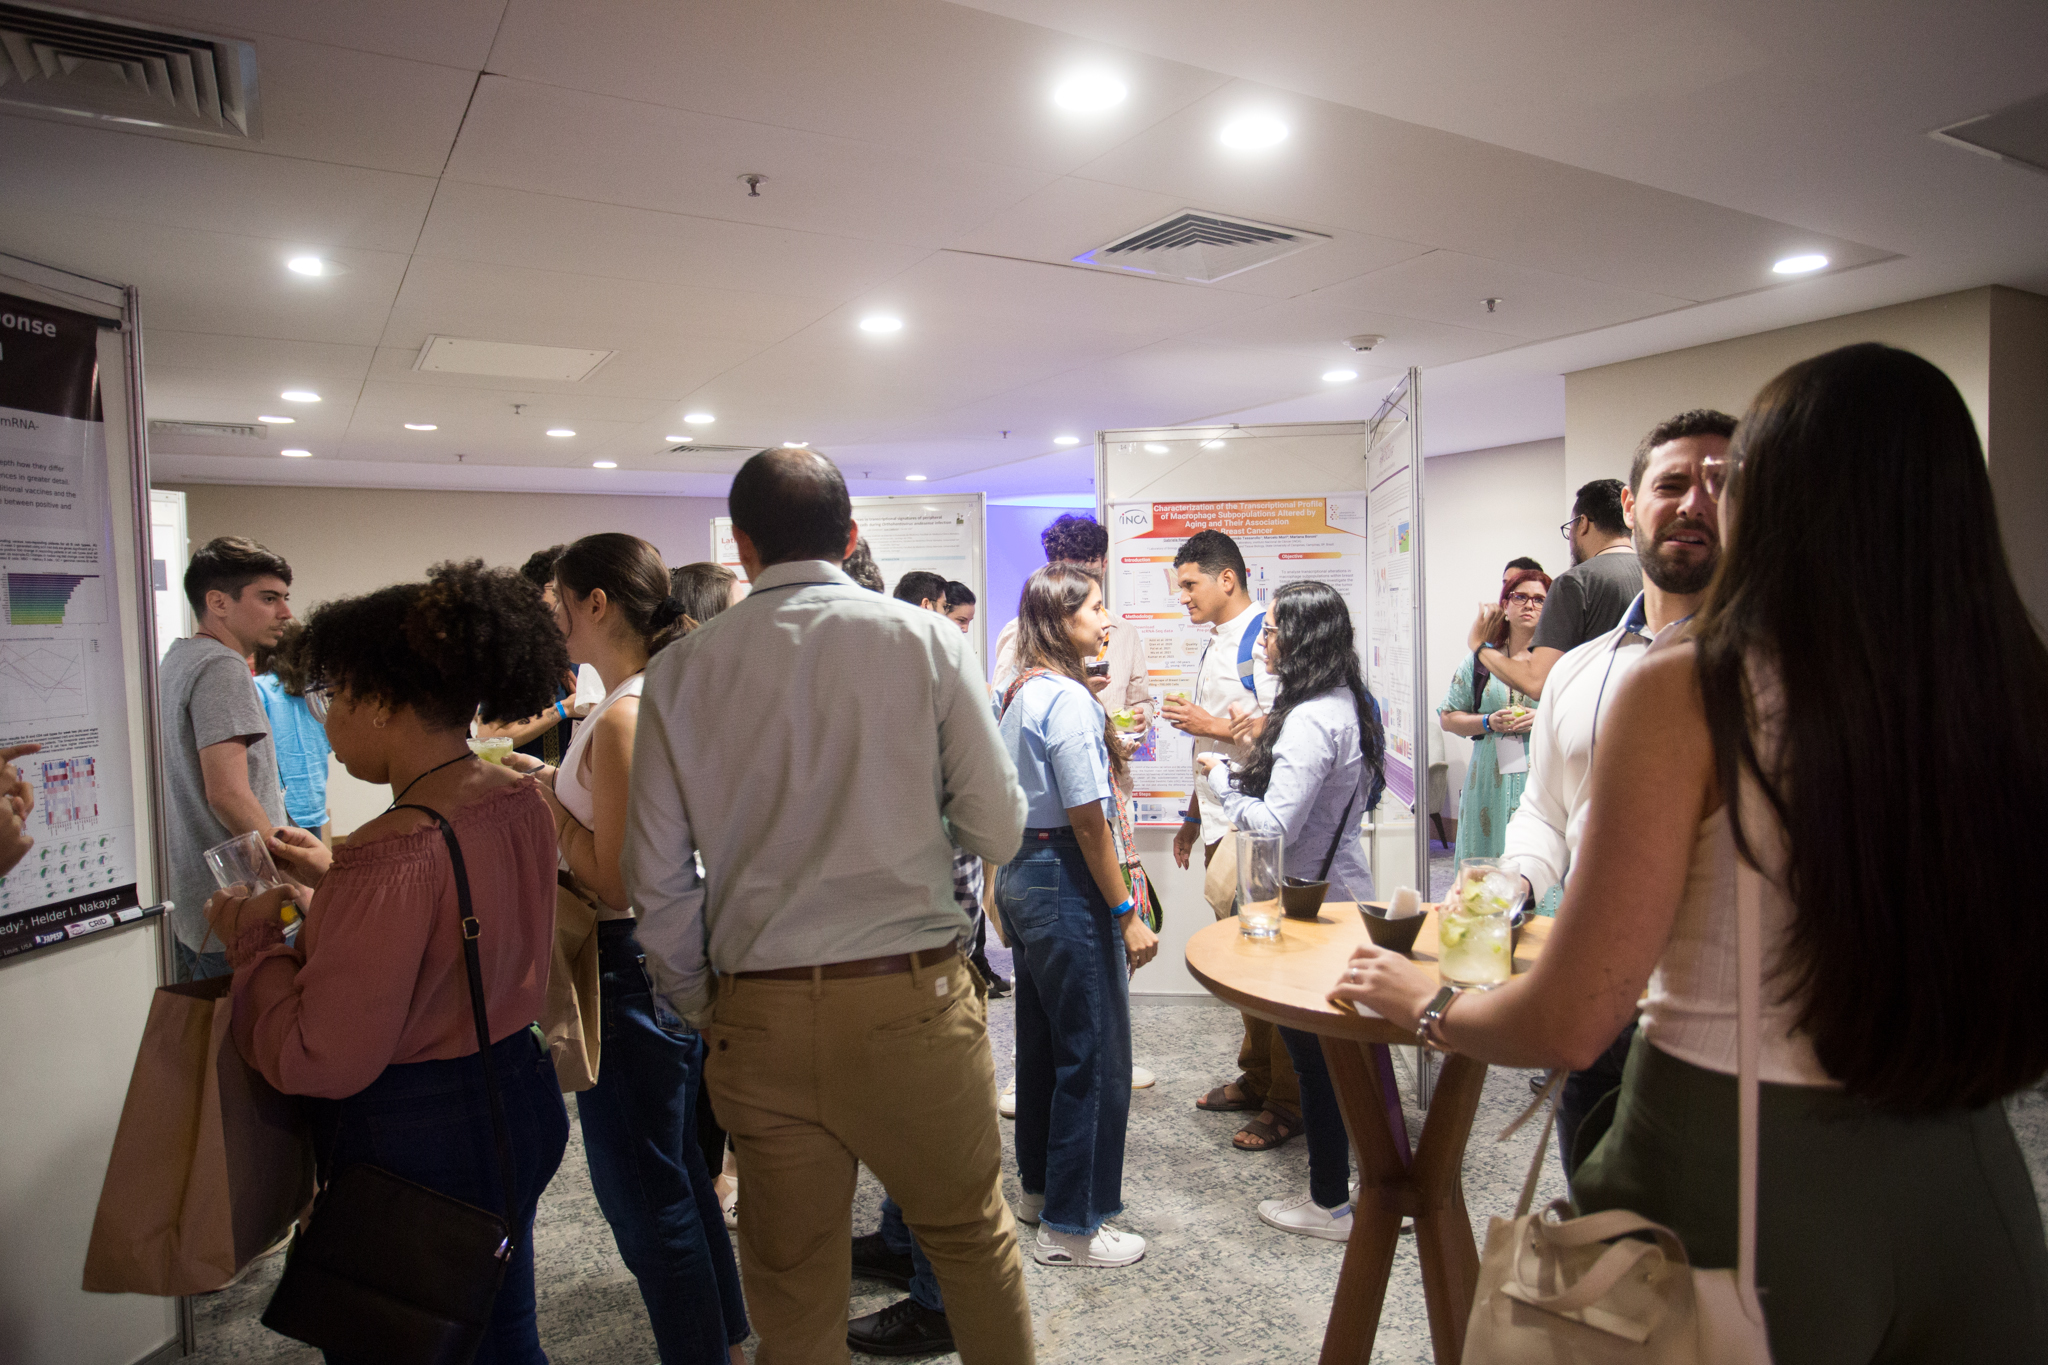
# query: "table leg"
1443, 1228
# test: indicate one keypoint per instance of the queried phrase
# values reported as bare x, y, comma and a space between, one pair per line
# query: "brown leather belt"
867, 966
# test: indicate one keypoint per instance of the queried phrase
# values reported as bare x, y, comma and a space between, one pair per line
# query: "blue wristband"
1486, 723
560, 712
1124, 909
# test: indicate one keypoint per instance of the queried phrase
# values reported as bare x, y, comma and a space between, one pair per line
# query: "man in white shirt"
1675, 527
1232, 685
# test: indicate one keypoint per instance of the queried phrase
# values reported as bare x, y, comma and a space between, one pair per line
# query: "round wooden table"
1285, 981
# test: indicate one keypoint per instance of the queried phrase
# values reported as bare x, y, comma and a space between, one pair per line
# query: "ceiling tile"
1448, 287
287, 362
665, 369
450, 32
1314, 328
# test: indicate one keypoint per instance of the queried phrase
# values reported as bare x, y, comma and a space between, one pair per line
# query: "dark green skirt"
1879, 1238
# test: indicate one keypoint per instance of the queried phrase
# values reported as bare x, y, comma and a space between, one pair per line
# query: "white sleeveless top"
570, 787
1691, 1010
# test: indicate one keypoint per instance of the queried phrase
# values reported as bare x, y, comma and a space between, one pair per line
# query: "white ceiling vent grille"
693, 448
1203, 247
73, 63
246, 431
2016, 133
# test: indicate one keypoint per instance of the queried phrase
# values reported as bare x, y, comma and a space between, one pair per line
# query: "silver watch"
1432, 1013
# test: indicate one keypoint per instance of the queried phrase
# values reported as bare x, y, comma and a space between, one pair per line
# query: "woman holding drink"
1069, 916
1497, 720
1313, 773
1902, 969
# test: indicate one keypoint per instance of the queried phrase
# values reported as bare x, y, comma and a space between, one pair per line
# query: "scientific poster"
1283, 540
1388, 648
61, 652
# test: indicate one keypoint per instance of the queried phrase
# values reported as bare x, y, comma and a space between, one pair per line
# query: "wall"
1014, 554
343, 541
2018, 445
1481, 509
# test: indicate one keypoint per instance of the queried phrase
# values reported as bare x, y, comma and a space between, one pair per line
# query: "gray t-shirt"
207, 698
1587, 600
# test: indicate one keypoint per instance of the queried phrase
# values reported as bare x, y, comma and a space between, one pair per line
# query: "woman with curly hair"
1314, 772
369, 1013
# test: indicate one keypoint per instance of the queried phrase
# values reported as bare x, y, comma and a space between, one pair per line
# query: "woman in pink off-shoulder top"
369, 1013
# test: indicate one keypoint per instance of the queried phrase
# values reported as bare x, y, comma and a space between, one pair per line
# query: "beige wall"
1481, 509
344, 541
2018, 444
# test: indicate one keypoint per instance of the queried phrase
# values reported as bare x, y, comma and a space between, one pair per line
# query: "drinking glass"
1259, 861
492, 750
1475, 927
242, 865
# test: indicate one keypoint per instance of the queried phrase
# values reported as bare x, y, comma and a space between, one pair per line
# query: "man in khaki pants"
824, 748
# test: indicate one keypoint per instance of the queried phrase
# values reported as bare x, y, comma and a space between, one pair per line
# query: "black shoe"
997, 987
872, 1260
904, 1328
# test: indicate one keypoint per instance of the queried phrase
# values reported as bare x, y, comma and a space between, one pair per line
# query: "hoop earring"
377, 721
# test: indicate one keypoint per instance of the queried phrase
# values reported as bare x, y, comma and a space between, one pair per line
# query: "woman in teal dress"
1482, 708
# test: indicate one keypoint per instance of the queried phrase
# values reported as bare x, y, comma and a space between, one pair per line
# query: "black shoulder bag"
391, 1271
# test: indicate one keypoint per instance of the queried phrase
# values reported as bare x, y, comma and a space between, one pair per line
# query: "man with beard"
1677, 537
1585, 601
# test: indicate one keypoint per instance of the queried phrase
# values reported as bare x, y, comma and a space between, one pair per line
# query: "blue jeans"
640, 1138
1073, 1033
430, 1123
924, 1286
1329, 1145
197, 966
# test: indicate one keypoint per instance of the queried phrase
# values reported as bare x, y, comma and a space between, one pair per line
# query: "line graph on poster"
41, 679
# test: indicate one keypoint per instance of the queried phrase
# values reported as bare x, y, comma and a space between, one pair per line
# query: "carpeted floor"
1216, 1285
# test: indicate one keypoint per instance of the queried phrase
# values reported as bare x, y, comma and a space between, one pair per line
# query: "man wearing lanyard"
1676, 529
1232, 682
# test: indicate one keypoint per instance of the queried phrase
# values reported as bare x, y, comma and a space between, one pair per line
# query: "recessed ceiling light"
280, 421
306, 265
1339, 376
1089, 93
421, 426
299, 396
796, 445
561, 431
604, 464
1154, 448
1215, 443
1253, 131
699, 419
679, 440
1800, 265
881, 322
296, 454
1066, 440
914, 478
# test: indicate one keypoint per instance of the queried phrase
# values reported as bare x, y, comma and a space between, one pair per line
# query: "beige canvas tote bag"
1564, 1290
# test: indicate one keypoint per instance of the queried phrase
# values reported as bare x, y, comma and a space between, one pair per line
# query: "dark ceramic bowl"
1300, 899
1397, 935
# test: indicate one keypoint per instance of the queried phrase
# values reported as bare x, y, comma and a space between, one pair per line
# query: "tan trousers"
1267, 1072
813, 1077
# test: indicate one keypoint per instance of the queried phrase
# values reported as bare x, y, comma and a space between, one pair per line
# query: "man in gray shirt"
1585, 601
220, 767
824, 748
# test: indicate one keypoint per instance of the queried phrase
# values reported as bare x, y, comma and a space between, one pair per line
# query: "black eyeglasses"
1716, 471
1524, 599
1566, 529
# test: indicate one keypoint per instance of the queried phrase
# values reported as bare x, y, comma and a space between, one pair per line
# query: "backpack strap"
1245, 644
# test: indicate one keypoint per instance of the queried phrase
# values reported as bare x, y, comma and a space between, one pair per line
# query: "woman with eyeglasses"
1902, 943
1497, 719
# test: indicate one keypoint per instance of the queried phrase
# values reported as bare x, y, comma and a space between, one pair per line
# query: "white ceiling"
1619, 173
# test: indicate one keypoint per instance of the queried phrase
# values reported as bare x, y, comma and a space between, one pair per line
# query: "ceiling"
1619, 175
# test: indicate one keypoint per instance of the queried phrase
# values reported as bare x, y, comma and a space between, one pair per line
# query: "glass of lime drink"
492, 750
1475, 925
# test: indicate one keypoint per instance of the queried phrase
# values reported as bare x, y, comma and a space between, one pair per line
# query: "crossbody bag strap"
1749, 960
1337, 839
473, 966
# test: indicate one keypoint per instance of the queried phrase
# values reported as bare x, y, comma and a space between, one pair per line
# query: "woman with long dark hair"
1069, 915
1312, 776
369, 1014
615, 609
1495, 717
1797, 732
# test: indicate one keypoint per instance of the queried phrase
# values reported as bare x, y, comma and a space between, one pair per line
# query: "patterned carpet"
1216, 1285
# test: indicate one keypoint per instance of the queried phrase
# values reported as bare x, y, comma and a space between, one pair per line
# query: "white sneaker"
1106, 1250
1006, 1103
1030, 1207
730, 1206
1141, 1079
1308, 1218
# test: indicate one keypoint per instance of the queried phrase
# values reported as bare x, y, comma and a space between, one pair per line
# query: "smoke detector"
65, 62
1201, 247
1364, 341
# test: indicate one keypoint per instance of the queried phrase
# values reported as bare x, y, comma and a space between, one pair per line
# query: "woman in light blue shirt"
296, 734
1315, 769
1067, 914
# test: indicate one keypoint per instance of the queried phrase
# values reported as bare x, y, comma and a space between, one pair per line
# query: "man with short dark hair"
1520, 564
1585, 601
844, 1027
922, 588
220, 766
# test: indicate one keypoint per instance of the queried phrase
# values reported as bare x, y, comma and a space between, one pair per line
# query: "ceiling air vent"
2016, 133
247, 431
1203, 247
67, 62
693, 448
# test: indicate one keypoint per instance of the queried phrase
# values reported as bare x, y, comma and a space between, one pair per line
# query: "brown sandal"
1265, 1136
1218, 1101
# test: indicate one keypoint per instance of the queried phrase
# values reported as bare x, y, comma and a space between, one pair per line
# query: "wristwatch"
1432, 1015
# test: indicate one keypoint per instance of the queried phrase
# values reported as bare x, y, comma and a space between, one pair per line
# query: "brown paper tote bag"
210, 1164
570, 1018
1219, 880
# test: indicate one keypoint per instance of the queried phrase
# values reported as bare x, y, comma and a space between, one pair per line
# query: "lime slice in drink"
1452, 933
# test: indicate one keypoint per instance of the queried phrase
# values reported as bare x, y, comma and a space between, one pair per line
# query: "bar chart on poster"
55, 599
